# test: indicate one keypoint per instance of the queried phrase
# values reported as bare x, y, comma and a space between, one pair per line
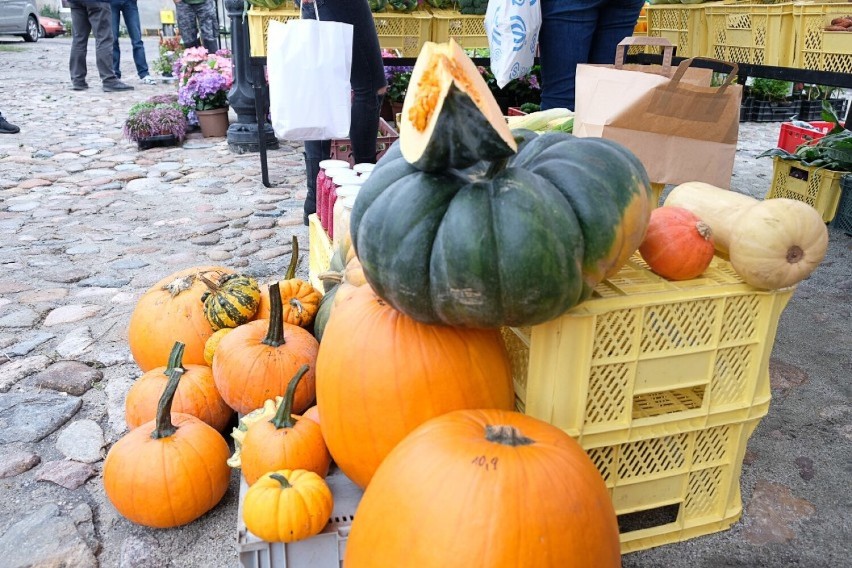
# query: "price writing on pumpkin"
483, 461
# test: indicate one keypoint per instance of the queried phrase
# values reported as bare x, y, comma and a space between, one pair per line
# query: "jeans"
85, 18
130, 10
579, 31
367, 77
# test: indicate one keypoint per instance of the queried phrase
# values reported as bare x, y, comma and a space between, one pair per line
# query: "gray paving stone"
46, 538
17, 462
24, 347
70, 314
72, 377
78, 342
30, 417
81, 441
14, 371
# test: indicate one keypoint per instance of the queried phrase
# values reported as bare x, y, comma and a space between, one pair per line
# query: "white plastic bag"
512, 28
309, 62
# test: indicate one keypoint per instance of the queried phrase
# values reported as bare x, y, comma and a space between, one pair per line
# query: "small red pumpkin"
678, 245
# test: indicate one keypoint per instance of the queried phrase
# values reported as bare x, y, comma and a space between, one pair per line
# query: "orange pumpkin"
489, 488
284, 442
253, 362
312, 414
380, 374
196, 394
678, 245
171, 310
299, 299
167, 472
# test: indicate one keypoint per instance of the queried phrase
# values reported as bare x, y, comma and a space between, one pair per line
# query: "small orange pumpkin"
253, 362
169, 476
312, 414
678, 245
171, 310
213, 342
490, 488
300, 300
284, 442
196, 394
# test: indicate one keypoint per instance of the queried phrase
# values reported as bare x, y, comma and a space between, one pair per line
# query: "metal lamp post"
242, 135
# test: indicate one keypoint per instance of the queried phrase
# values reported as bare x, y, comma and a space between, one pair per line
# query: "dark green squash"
449, 117
511, 242
232, 301
324, 311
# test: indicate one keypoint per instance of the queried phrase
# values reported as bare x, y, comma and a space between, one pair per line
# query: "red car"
50, 27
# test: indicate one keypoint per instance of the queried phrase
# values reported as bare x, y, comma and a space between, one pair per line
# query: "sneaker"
117, 86
148, 80
79, 86
7, 127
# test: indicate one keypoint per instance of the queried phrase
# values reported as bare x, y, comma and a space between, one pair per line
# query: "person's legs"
617, 20
187, 25
116, 10
315, 152
208, 25
565, 39
100, 15
134, 30
80, 29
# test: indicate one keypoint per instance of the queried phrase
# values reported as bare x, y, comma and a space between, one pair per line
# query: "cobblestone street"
88, 223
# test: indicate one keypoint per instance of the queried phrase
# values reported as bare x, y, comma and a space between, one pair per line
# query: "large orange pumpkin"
678, 245
170, 471
380, 374
285, 442
255, 362
196, 394
488, 488
171, 310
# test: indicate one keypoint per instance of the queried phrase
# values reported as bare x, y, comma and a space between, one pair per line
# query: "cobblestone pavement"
87, 223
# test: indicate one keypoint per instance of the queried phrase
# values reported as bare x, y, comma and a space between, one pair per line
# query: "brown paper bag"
679, 127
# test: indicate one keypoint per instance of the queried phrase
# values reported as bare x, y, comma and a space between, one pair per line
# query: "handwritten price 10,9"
483, 461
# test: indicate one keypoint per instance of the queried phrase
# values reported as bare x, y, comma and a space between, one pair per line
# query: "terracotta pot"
214, 122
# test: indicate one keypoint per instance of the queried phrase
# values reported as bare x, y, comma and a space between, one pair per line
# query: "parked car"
50, 27
19, 17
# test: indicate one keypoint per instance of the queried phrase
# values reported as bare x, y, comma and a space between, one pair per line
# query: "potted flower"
204, 81
398, 78
769, 100
155, 124
811, 97
170, 49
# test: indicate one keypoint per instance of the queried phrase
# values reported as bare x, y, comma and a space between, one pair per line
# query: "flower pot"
214, 122
160, 141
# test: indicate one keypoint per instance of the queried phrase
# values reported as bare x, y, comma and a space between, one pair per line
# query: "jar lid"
348, 202
363, 167
326, 164
335, 172
364, 176
345, 191
346, 178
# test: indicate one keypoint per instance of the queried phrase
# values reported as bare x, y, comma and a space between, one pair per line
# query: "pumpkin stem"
331, 276
164, 427
298, 306
175, 358
294, 260
275, 332
704, 230
283, 418
795, 254
506, 435
496, 167
281, 479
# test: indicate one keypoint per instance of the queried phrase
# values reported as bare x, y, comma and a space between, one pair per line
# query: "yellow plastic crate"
467, 30
759, 34
405, 32
684, 25
645, 354
818, 187
816, 48
320, 251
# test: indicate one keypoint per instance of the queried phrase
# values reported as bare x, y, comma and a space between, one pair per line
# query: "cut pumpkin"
450, 119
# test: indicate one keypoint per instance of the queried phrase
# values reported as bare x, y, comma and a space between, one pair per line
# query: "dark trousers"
195, 18
87, 17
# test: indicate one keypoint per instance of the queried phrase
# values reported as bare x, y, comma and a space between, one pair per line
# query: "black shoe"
7, 127
117, 86
79, 86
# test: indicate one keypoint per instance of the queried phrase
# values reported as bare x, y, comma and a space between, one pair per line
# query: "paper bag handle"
668, 49
684, 65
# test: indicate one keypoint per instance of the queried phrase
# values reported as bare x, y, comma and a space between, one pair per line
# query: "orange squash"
253, 363
312, 414
171, 310
196, 394
678, 245
380, 374
489, 488
284, 442
300, 300
170, 471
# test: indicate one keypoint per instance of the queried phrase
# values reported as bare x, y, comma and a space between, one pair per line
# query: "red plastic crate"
791, 137
515, 111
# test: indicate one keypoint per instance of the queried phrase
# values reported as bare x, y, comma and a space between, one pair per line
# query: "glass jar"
325, 188
363, 168
325, 166
339, 180
342, 211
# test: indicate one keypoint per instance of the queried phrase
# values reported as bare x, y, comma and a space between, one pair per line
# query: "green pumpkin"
231, 302
324, 311
511, 242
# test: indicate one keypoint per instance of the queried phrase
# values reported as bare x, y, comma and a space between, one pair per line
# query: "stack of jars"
343, 201
327, 170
